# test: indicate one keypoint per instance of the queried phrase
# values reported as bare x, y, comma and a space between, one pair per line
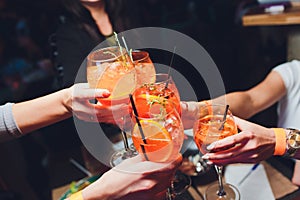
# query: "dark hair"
117, 11
77, 12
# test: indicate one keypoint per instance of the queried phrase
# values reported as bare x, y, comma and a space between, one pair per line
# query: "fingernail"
106, 94
209, 162
211, 146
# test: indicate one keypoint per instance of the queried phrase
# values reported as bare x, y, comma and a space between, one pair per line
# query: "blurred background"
35, 164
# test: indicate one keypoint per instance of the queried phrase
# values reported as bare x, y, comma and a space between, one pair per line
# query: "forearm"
37, 113
240, 104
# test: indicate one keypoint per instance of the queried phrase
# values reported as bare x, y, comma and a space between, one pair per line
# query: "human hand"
79, 103
253, 144
134, 178
189, 113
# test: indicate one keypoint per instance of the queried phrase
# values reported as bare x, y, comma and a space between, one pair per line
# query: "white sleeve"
8, 127
289, 73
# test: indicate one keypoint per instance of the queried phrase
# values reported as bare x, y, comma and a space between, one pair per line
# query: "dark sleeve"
73, 45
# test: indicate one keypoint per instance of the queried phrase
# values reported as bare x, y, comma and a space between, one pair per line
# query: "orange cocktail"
207, 130
153, 98
145, 69
216, 122
159, 138
112, 69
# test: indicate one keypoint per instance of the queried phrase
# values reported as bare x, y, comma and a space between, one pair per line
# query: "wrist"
94, 192
67, 100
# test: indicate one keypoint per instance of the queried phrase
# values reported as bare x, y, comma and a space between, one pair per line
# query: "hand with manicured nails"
134, 178
253, 144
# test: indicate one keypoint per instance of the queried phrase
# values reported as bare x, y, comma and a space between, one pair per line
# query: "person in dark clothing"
83, 25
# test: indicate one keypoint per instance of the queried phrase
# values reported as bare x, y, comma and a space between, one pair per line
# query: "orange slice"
151, 105
157, 146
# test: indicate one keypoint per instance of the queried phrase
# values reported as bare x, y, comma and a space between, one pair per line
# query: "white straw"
123, 39
80, 167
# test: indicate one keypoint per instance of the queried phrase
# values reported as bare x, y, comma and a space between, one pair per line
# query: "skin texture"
245, 104
253, 144
134, 178
61, 105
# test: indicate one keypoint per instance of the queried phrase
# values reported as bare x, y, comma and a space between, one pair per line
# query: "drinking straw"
119, 44
224, 117
129, 52
169, 71
123, 39
80, 167
139, 125
137, 119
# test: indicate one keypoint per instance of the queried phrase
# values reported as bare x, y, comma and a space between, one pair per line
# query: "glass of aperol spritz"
151, 96
144, 67
160, 135
215, 123
111, 68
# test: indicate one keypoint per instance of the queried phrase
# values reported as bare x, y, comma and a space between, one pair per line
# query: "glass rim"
214, 114
143, 58
109, 59
168, 78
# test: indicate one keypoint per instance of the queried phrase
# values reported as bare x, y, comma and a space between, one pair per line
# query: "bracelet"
293, 142
280, 145
76, 196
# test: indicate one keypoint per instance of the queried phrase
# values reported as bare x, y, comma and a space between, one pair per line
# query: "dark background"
244, 56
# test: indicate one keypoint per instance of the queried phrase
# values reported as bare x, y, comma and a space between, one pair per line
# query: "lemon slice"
158, 145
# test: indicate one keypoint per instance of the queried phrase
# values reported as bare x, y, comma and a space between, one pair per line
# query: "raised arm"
40, 112
245, 104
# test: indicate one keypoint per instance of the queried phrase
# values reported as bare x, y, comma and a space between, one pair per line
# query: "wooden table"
258, 17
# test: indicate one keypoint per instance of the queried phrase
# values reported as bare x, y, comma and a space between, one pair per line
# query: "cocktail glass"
144, 67
151, 96
159, 138
215, 123
156, 100
111, 68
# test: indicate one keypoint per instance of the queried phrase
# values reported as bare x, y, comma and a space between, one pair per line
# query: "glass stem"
125, 140
219, 170
124, 135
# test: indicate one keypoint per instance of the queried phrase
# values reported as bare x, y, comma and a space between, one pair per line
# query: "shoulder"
288, 67
289, 73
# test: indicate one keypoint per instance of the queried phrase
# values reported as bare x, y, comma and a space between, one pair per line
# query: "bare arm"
43, 111
49, 109
247, 103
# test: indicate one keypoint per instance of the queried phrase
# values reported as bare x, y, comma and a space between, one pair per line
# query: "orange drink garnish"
152, 98
157, 144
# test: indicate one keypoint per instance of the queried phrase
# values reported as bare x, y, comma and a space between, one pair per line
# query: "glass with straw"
144, 67
158, 136
151, 96
143, 64
111, 68
215, 123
